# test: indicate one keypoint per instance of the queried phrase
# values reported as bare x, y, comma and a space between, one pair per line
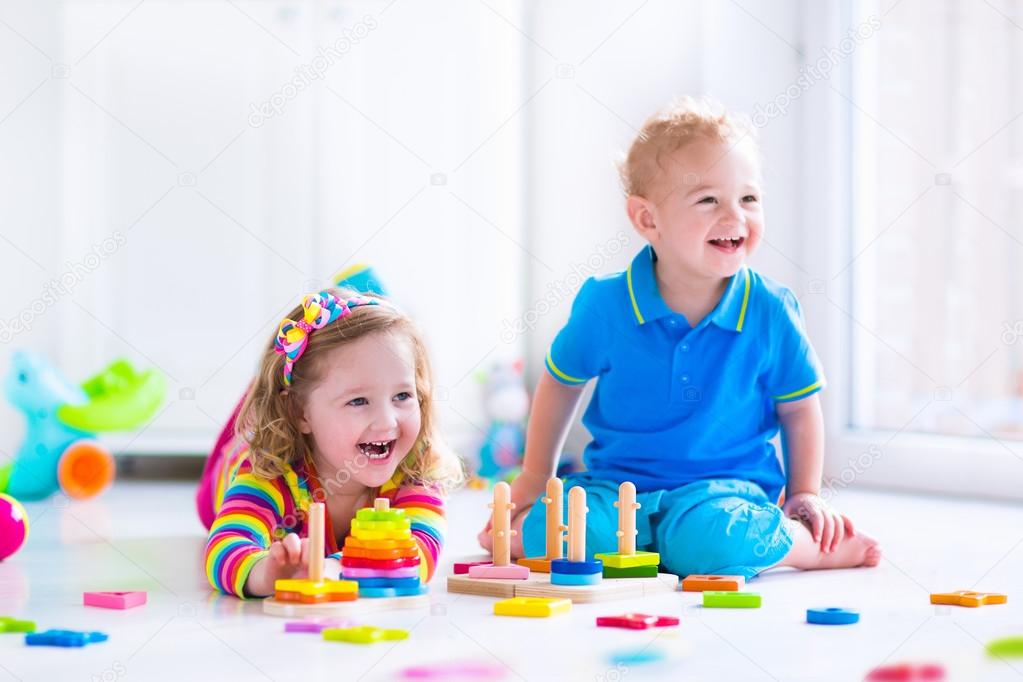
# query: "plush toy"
59, 450
506, 403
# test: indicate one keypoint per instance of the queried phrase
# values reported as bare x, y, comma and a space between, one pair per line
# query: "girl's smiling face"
704, 216
363, 415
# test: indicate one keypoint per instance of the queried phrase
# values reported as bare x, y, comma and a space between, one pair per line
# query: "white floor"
146, 536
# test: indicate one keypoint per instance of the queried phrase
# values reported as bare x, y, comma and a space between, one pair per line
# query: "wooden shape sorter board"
539, 585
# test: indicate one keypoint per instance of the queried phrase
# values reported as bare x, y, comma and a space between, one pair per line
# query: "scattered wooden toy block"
832, 616
636, 621
717, 583
10, 625
317, 625
363, 634
64, 638
1006, 647
968, 598
731, 600
907, 672
114, 600
532, 607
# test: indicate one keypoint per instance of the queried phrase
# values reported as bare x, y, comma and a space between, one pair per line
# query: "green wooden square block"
731, 600
8, 624
616, 560
633, 572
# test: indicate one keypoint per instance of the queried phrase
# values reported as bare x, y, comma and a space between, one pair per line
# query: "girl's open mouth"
377, 450
728, 245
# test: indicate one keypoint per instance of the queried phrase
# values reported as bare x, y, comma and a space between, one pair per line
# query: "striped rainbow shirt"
252, 512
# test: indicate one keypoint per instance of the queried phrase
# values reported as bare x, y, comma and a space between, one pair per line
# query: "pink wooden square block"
512, 572
114, 600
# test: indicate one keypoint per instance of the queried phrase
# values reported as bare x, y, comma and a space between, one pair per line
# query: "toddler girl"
340, 412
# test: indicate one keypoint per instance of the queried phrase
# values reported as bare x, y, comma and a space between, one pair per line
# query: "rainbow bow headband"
319, 310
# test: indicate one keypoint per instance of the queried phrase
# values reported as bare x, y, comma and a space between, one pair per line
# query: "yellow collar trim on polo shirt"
632, 294
745, 300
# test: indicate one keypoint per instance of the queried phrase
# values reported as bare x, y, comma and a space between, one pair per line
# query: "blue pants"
718, 526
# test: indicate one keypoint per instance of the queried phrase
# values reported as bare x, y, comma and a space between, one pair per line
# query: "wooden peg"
627, 507
381, 504
577, 524
314, 532
500, 521
555, 522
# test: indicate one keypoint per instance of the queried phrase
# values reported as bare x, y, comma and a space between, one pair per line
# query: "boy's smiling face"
703, 214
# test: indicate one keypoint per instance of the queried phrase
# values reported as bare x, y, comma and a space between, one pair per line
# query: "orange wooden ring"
379, 544
379, 553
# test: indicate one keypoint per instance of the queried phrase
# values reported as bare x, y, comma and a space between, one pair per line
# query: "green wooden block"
634, 572
8, 624
1007, 647
616, 560
731, 600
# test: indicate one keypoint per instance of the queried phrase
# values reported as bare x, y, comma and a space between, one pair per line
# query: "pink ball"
13, 526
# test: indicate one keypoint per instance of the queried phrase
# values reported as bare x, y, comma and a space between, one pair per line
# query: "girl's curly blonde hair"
270, 414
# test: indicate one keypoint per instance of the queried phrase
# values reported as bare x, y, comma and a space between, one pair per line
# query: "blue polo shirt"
674, 404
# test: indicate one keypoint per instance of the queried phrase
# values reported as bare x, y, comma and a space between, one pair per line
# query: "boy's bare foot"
856, 550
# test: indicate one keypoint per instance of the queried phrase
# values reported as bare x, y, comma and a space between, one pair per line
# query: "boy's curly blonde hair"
681, 122
270, 414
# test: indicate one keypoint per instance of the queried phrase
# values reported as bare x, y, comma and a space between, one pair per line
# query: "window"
936, 260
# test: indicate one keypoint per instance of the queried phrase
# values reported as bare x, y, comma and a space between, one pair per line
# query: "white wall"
581, 125
466, 148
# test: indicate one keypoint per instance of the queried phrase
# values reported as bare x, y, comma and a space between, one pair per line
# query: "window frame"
837, 196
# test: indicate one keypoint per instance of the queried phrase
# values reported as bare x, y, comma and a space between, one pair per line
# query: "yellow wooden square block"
616, 560
305, 586
532, 607
968, 598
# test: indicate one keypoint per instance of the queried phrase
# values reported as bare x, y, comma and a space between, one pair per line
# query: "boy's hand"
524, 490
828, 526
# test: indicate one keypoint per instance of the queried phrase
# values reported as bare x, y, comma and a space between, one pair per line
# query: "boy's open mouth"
726, 244
377, 449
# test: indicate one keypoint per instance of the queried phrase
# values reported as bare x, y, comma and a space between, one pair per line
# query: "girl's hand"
288, 558
828, 526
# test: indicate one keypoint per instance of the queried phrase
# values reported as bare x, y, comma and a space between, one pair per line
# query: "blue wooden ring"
566, 567
576, 579
832, 616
